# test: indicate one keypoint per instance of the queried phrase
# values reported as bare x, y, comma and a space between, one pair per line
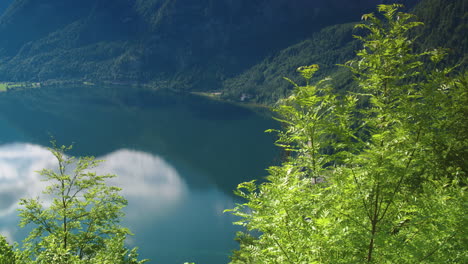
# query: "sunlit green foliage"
7, 255
5, 86
81, 225
384, 182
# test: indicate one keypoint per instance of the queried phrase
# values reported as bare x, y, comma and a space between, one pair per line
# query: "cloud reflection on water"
148, 182
18, 177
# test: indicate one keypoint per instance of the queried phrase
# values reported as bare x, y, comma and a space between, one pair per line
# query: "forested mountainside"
444, 25
239, 47
177, 43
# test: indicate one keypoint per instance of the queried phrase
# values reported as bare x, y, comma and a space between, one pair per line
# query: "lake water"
178, 158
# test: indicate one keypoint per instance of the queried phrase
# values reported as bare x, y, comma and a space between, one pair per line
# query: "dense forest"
181, 45
239, 48
374, 167
445, 21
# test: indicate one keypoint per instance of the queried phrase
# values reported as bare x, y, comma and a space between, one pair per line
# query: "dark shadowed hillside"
175, 43
446, 24
240, 47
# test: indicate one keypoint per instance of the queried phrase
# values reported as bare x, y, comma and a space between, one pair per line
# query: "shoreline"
258, 108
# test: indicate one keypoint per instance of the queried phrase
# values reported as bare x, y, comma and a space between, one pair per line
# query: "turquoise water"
178, 158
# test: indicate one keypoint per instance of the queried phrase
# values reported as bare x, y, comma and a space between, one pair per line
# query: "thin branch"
281, 248
402, 176
437, 248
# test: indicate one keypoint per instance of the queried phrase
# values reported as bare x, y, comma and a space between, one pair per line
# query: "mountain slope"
240, 47
181, 44
264, 82
446, 24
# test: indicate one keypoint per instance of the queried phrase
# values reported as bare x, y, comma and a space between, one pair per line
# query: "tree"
7, 255
368, 179
81, 225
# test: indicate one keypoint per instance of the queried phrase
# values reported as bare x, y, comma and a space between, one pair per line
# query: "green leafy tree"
7, 255
381, 183
81, 225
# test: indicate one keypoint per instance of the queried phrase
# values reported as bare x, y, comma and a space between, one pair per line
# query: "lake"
178, 158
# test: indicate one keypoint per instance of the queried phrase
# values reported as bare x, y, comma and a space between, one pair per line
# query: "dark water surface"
178, 158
